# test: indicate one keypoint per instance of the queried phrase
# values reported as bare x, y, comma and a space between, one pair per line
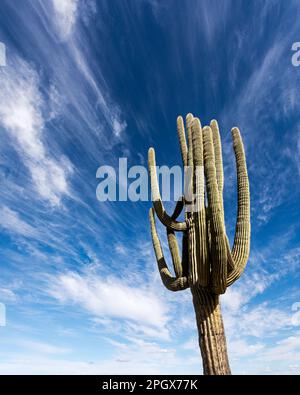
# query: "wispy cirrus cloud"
109, 297
11, 221
66, 15
37, 347
22, 108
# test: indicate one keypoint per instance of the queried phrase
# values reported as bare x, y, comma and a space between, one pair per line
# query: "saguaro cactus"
208, 265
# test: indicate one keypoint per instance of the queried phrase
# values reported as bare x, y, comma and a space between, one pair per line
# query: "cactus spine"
208, 265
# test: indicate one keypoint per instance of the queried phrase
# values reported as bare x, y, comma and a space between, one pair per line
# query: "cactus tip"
206, 129
151, 157
196, 121
235, 131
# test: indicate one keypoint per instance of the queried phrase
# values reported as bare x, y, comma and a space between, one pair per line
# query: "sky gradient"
87, 82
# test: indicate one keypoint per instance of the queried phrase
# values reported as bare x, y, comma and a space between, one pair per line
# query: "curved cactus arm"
218, 239
172, 239
182, 140
178, 208
171, 283
220, 180
157, 202
230, 263
200, 214
241, 244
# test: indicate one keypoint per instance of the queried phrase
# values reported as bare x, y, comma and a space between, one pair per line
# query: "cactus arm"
218, 241
220, 180
178, 208
182, 140
218, 155
170, 282
189, 170
172, 239
174, 250
191, 216
241, 244
157, 202
185, 254
200, 215
189, 120
198, 163
231, 264
218, 161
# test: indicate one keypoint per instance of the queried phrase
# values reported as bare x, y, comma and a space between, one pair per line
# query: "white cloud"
289, 347
283, 357
11, 221
65, 16
250, 286
135, 355
28, 364
109, 297
191, 344
120, 249
21, 114
143, 359
241, 348
111, 112
7, 294
146, 331
260, 320
43, 348
264, 320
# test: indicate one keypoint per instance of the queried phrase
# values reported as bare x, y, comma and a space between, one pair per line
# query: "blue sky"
87, 82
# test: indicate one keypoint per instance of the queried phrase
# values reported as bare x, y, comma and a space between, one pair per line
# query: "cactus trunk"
212, 340
207, 264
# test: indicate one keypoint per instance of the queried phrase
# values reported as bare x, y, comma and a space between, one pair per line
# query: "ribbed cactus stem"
241, 245
212, 340
218, 246
207, 265
219, 162
189, 120
182, 140
200, 214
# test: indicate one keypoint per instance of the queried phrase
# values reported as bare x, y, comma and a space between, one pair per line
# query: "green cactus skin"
207, 264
